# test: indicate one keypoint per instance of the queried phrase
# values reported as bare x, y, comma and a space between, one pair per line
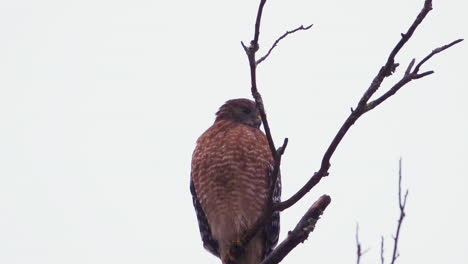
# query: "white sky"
101, 103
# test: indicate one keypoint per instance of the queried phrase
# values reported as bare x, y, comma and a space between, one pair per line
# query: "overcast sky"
101, 103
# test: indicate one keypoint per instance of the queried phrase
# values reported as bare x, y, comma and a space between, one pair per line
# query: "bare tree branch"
279, 39
359, 252
251, 51
300, 233
363, 105
401, 205
382, 259
409, 76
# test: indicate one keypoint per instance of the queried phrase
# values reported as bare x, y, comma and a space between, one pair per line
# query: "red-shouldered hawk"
230, 179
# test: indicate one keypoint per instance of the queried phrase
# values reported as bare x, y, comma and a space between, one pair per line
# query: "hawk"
230, 179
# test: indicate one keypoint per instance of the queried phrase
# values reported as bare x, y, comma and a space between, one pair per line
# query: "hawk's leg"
235, 251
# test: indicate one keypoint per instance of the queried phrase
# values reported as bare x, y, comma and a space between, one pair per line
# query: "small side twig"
300, 233
279, 39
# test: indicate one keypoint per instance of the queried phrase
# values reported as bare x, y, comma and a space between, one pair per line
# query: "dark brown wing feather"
208, 242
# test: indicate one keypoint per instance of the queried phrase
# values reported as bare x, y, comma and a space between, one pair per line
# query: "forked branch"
401, 206
364, 105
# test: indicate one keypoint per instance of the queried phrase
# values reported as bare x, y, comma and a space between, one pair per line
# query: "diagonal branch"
363, 106
279, 39
409, 76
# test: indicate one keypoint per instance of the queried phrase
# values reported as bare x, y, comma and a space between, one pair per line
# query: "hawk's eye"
246, 111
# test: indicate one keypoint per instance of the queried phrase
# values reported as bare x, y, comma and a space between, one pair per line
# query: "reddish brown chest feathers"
230, 173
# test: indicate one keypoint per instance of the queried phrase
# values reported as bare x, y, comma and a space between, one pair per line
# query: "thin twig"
300, 233
279, 39
359, 251
401, 205
358, 245
382, 259
434, 52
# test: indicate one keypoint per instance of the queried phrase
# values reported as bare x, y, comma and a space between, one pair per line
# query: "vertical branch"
382, 260
358, 245
251, 51
359, 252
401, 205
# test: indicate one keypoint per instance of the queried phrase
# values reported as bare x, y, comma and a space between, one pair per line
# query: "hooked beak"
258, 121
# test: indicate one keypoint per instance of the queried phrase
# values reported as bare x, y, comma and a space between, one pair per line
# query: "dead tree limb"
396, 237
300, 233
359, 251
364, 105
401, 205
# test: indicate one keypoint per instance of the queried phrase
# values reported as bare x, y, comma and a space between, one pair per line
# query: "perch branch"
279, 39
300, 233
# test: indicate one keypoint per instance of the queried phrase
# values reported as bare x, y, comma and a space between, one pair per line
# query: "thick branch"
279, 39
300, 233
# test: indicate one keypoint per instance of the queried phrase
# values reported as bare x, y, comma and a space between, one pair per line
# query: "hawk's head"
242, 110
